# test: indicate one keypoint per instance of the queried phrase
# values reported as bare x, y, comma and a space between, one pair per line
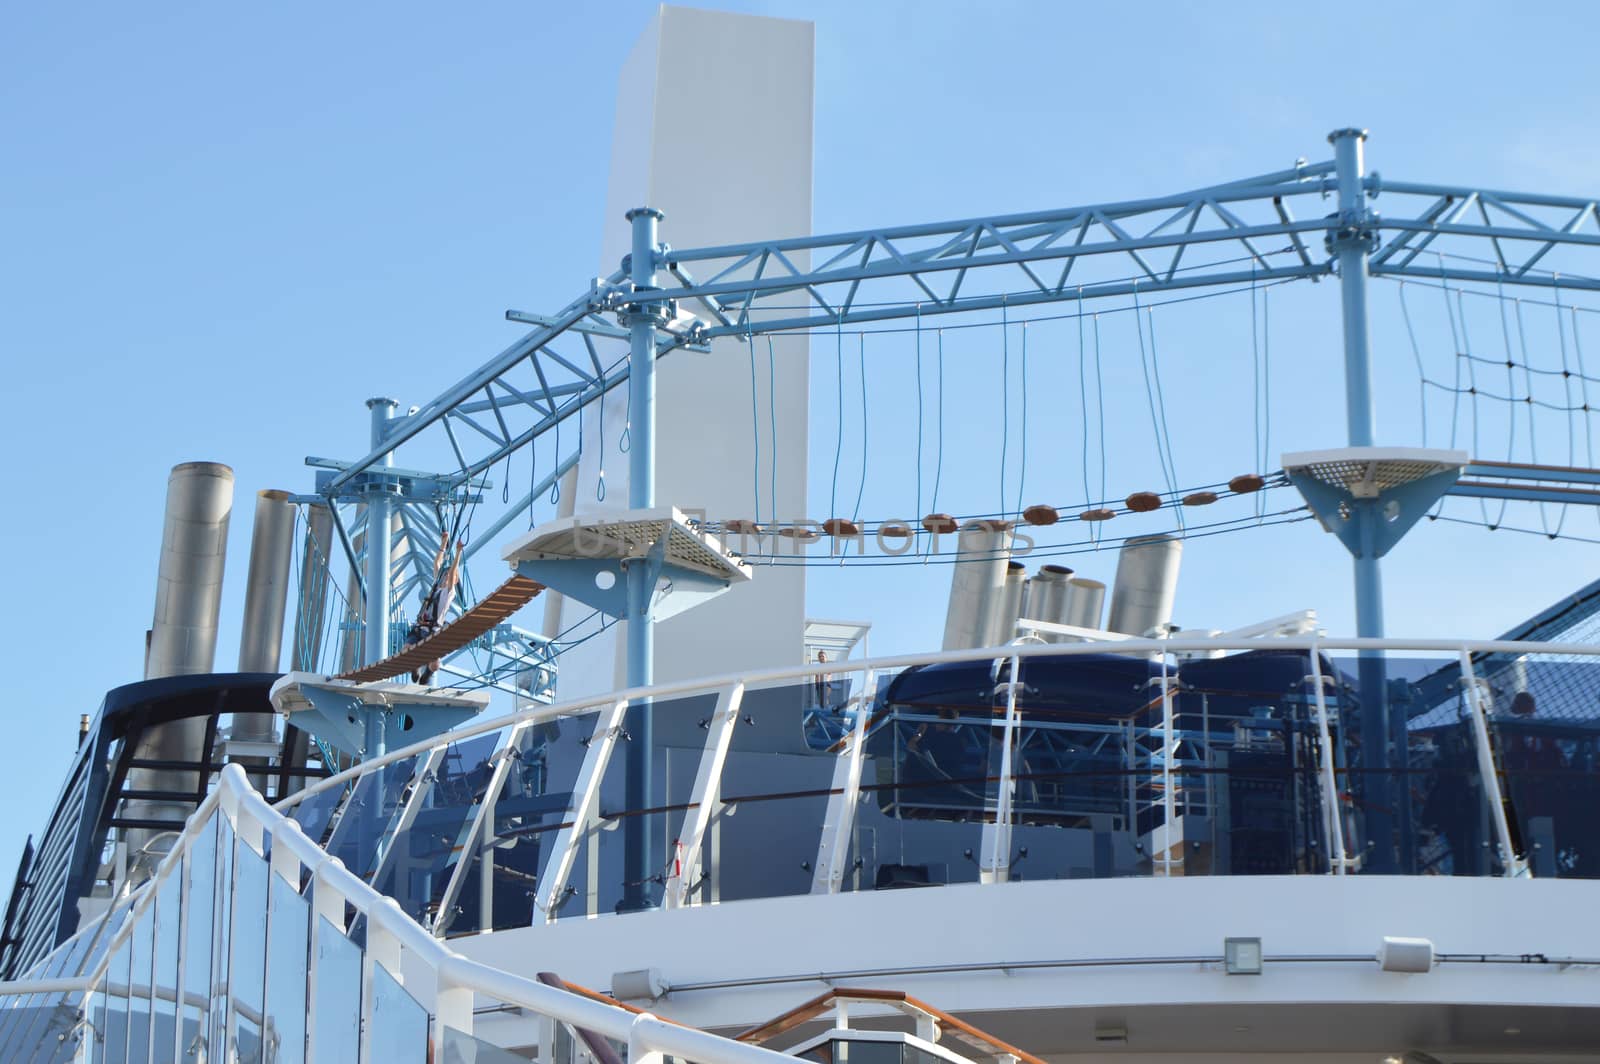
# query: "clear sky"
222, 227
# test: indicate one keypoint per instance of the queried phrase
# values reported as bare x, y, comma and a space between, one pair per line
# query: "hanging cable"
1005, 397
918, 510
772, 430
1416, 356
555, 482
838, 443
1255, 379
600, 449
755, 429
1161, 405
1022, 472
938, 459
1100, 420
1083, 404
861, 490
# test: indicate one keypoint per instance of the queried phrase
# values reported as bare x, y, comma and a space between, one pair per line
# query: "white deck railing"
440, 987
410, 981
582, 817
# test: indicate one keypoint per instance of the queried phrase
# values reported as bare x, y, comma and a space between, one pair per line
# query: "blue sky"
223, 227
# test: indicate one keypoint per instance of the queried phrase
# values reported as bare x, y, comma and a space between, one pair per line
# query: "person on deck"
435, 608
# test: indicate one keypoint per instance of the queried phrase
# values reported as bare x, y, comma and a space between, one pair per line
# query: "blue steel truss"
1274, 226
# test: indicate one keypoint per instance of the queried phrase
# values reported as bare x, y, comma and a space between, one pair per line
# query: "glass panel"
115, 1031
315, 814
96, 1033
1089, 793
399, 1024
679, 726
464, 1049
336, 1020
762, 841
164, 980
368, 818
927, 780
248, 955
200, 902
1546, 728
222, 944
288, 931
418, 862
1249, 794
139, 984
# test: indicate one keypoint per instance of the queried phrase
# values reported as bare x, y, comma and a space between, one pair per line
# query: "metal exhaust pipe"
265, 600
1012, 598
1146, 584
977, 584
1083, 603
1047, 593
183, 634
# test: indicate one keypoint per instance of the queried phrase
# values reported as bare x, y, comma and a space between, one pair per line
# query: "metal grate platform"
631, 535
1368, 472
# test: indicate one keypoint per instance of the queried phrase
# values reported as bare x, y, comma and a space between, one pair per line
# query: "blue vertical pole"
637, 862
376, 617
1351, 242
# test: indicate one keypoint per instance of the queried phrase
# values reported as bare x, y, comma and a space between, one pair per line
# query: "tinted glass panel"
288, 930
399, 1024
336, 1021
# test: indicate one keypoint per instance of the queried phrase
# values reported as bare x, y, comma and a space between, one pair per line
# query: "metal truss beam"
1225, 235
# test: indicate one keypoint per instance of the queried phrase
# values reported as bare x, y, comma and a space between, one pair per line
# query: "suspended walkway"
493, 609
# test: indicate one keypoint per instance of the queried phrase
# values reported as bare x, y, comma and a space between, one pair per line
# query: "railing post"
476, 833
1333, 822
995, 866
452, 1007
639, 1049
1510, 863
845, 795
585, 797
706, 795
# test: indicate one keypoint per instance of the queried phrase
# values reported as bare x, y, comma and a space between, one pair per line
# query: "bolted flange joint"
1356, 229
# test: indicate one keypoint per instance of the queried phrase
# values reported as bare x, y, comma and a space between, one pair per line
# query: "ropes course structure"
1012, 274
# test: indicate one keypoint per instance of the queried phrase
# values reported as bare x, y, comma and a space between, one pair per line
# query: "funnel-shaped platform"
584, 557
1394, 485
335, 711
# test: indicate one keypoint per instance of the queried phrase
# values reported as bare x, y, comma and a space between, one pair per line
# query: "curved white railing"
730, 688
442, 982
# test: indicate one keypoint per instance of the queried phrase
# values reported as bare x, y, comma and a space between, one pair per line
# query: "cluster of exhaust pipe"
182, 640
990, 590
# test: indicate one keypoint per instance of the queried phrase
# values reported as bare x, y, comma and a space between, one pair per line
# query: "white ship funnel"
1083, 602
266, 595
977, 584
183, 635
1146, 584
194, 545
1012, 599
267, 587
1047, 597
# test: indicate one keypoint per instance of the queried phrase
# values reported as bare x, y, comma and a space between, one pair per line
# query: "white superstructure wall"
713, 127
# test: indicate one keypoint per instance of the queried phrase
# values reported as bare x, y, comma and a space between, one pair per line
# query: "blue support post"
1352, 241
379, 512
638, 863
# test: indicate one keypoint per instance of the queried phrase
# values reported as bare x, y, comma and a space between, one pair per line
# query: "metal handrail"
751, 678
390, 931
